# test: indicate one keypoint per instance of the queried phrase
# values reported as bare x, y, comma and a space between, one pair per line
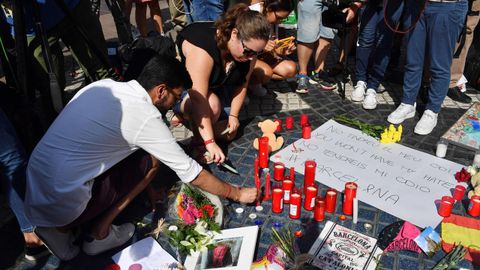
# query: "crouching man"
103, 150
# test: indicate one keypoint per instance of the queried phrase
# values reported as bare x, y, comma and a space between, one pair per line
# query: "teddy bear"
475, 181
268, 128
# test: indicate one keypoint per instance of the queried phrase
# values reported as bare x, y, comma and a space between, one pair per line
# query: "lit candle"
279, 126
309, 173
287, 186
310, 194
303, 120
459, 192
474, 206
263, 152
330, 200
319, 212
267, 186
277, 199
289, 122
446, 206
442, 147
278, 171
349, 193
295, 202
306, 132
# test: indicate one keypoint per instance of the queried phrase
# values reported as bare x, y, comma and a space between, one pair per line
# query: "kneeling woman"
220, 58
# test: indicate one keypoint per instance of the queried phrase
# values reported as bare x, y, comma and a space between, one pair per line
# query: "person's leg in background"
141, 18
444, 25
308, 34
155, 14
415, 50
13, 164
366, 42
381, 54
204, 10
456, 90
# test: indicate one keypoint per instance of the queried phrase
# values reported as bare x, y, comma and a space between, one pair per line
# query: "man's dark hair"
166, 70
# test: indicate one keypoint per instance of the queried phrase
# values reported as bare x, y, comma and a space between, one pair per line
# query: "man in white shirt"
86, 168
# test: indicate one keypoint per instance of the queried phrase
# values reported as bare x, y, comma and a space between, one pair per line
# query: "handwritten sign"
394, 178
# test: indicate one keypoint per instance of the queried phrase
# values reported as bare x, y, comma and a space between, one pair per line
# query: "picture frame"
234, 251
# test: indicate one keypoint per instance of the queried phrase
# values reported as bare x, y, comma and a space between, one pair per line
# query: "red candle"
309, 173
278, 171
310, 194
459, 192
303, 120
295, 202
292, 173
330, 200
256, 166
474, 206
349, 193
319, 212
289, 122
263, 152
306, 132
446, 206
277, 199
258, 186
267, 186
287, 186
279, 127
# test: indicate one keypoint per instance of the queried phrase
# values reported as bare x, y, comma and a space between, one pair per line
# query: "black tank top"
202, 35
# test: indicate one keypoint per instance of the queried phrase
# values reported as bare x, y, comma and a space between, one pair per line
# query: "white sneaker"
404, 111
427, 123
358, 92
59, 243
370, 100
117, 236
257, 90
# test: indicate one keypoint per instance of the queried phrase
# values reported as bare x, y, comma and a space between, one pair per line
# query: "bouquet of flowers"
196, 226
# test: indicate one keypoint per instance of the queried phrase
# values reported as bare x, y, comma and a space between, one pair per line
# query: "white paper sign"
146, 254
394, 178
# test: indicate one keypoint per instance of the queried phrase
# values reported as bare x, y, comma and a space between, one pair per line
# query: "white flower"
173, 228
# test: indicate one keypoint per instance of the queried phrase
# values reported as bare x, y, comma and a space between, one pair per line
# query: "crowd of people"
107, 144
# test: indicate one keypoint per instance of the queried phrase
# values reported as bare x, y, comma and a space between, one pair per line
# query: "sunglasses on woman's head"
247, 52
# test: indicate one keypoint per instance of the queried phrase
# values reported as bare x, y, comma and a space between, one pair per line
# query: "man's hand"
247, 195
215, 152
270, 45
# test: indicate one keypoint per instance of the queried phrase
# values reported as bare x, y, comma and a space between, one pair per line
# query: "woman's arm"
237, 101
199, 65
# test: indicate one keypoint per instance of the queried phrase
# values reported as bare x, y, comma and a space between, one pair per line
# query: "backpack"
135, 55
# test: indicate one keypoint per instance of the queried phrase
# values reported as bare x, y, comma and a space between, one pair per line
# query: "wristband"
233, 116
207, 142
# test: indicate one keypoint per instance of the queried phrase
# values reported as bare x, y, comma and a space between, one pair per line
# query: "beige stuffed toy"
475, 181
268, 128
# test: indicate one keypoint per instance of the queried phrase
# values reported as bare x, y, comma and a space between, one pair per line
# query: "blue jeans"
375, 42
434, 36
203, 10
13, 166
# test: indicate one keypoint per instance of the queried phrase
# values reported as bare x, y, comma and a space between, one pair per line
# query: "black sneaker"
321, 79
35, 253
456, 94
302, 84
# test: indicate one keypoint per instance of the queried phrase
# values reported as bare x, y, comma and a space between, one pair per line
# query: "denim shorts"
309, 25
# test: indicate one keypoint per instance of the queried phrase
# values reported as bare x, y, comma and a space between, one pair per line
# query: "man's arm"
208, 182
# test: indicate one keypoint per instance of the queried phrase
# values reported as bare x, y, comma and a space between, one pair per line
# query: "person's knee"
290, 69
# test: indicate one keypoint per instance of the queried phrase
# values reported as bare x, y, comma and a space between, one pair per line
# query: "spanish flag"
465, 231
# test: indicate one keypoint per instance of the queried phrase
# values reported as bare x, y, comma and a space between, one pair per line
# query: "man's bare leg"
304, 52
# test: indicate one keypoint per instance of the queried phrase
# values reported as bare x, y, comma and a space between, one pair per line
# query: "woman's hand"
215, 152
290, 49
270, 45
233, 124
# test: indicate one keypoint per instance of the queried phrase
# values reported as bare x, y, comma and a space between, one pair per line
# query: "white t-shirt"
104, 123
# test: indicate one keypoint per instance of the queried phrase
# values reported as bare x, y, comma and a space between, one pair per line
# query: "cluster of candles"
286, 193
306, 127
447, 202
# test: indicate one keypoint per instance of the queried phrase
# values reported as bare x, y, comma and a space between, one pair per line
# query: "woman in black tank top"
219, 58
